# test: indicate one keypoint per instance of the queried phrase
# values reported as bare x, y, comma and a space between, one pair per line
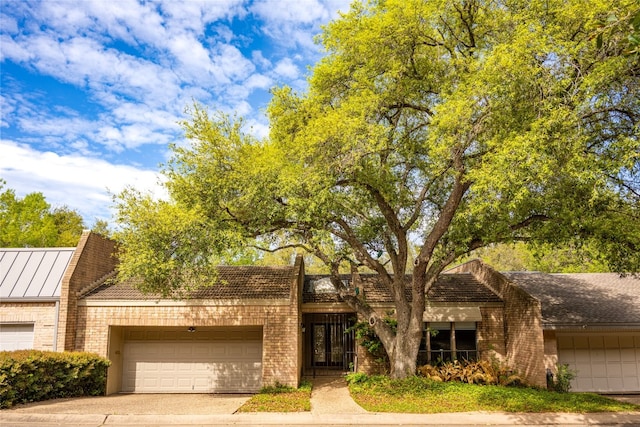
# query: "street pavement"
331, 405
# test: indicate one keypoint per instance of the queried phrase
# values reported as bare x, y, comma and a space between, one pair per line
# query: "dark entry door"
328, 344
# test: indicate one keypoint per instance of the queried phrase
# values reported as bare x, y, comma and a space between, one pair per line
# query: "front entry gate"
329, 343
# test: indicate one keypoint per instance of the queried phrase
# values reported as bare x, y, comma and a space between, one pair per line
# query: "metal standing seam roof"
33, 273
583, 299
449, 288
234, 282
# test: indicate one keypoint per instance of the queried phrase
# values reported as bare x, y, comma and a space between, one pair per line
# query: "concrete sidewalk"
330, 395
306, 418
331, 405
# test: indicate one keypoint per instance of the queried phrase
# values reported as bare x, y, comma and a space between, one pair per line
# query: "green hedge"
32, 375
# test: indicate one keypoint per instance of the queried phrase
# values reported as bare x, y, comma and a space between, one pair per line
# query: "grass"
420, 395
280, 398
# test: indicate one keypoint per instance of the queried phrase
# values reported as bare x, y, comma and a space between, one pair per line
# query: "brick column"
93, 259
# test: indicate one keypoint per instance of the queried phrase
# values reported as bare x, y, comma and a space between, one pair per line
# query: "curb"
308, 418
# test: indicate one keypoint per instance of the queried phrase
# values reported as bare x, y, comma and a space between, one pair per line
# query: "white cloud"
258, 58
82, 183
286, 68
8, 24
258, 81
306, 11
136, 65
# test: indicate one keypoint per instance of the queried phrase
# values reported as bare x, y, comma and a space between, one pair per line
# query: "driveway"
138, 404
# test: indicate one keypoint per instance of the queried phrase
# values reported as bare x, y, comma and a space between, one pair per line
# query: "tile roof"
585, 299
33, 272
450, 288
234, 282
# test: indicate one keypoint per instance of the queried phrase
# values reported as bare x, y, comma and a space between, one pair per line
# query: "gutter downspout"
55, 326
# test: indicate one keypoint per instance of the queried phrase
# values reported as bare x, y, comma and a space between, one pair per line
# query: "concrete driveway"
138, 404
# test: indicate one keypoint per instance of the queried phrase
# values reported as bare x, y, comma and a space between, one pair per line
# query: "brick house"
267, 325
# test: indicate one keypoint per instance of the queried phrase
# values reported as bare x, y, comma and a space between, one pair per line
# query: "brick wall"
523, 337
92, 260
100, 326
42, 315
280, 330
490, 334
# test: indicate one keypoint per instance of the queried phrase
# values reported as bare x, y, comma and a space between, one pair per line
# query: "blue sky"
91, 91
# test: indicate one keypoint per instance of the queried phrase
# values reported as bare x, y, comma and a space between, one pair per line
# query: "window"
446, 341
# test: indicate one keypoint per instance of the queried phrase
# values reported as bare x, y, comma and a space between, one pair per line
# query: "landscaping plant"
473, 372
32, 375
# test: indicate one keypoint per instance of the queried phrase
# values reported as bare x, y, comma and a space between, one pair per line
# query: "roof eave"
589, 326
235, 302
29, 299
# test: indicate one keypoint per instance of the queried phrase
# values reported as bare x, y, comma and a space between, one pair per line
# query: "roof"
33, 273
234, 282
449, 288
584, 299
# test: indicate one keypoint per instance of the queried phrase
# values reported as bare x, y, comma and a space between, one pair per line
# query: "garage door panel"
629, 355
626, 342
596, 342
17, 336
192, 366
613, 354
614, 370
631, 382
610, 363
597, 355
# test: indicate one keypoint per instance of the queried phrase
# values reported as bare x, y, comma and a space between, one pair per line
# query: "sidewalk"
310, 419
330, 395
331, 405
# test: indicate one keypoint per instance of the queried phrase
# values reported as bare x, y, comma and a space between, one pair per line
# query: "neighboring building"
30, 286
589, 321
265, 325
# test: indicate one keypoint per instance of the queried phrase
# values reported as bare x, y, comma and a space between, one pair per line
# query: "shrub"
474, 372
563, 377
32, 375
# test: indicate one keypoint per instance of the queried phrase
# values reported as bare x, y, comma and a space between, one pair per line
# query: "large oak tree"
446, 125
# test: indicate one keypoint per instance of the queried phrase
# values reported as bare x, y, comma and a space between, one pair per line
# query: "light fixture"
191, 329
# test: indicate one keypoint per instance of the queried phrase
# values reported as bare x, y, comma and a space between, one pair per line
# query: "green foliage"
422, 395
280, 398
472, 372
621, 29
356, 378
30, 222
562, 379
521, 257
101, 227
367, 338
444, 125
32, 376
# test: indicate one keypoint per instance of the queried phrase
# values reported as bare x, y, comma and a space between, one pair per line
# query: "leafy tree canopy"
519, 256
449, 125
31, 222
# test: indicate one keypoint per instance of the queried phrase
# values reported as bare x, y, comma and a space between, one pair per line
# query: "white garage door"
604, 363
192, 366
16, 336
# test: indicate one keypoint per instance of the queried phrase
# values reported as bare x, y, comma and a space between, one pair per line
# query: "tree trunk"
403, 359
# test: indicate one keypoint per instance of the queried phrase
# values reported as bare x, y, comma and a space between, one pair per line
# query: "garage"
18, 336
604, 363
192, 360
